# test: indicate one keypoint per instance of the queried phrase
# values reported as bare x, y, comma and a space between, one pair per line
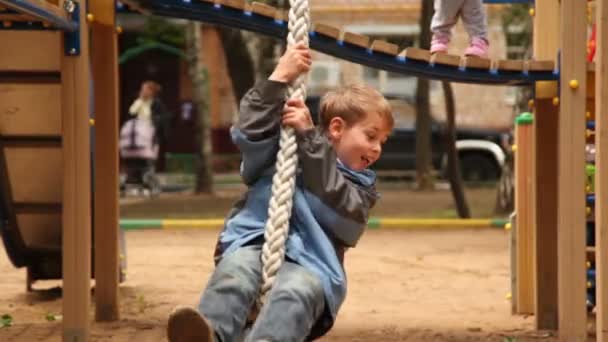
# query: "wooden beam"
102, 12
571, 174
104, 59
524, 225
601, 161
546, 44
76, 215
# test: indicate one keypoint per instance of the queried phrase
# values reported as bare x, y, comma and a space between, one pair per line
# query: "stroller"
138, 153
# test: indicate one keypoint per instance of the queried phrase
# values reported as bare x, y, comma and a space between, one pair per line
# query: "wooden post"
104, 52
601, 161
546, 44
76, 214
571, 174
524, 280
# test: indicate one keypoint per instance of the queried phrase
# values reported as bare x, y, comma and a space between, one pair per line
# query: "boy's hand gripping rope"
283, 182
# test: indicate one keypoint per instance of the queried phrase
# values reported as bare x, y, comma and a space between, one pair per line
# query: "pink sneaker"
439, 44
478, 47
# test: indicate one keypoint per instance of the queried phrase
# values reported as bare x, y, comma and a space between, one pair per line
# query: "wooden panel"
327, 30
40, 230
76, 218
385, 47
416, 54
20, 115
356, 39
477, 63
601, 182
571, 273
263, 9
510, 65
30, 50
545, 198
104, 64
445, 59
35, 174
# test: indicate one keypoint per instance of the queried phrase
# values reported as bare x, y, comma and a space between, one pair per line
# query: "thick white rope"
283, 182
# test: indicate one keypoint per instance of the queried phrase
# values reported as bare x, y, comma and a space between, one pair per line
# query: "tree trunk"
423, 108
453, 168
204, 174
238, 60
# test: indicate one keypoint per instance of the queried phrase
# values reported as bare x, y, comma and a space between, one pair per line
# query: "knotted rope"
284, 180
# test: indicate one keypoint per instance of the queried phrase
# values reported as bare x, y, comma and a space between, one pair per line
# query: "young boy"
334, 193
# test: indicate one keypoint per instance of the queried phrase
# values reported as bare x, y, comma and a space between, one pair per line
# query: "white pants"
447, 13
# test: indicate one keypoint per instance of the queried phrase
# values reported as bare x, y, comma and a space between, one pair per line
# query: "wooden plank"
416, 54
237, 4
571, 174
16, 17
510, 65
327, 30
19, 115
385, 47
76, 215
40, 230
104, 65
356, 39
263, 9
35, 174
546, 44
30, 51
541, 66
601, 162
525, 218
46, 6
445, 59
477, 63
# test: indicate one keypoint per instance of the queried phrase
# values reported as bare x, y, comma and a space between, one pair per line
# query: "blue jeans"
295, 303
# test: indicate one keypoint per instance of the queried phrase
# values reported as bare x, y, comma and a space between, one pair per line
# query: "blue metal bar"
591, 125
235, 18
58, 18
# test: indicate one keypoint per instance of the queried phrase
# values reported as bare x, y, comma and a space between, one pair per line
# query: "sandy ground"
403, 286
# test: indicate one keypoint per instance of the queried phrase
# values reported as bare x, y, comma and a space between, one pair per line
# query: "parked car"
481, 151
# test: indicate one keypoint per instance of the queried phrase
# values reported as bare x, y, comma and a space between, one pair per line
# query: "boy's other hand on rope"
297, 115
295, 61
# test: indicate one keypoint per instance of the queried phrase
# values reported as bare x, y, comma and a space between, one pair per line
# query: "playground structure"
51, 54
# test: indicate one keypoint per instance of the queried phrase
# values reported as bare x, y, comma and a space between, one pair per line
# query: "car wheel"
478, 168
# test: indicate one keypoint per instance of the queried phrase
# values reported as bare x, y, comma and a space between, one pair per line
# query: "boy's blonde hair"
353, 103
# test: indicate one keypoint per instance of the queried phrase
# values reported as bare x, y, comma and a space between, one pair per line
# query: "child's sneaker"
439, 44
478, 47
187, 325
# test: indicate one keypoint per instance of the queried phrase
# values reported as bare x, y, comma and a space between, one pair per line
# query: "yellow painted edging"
192, 224
396, 223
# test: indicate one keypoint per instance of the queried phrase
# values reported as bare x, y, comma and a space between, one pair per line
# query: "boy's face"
359, 145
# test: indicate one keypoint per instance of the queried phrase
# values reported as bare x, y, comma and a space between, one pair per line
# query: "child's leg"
231, 292
295, 303
474, 19
445, 17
